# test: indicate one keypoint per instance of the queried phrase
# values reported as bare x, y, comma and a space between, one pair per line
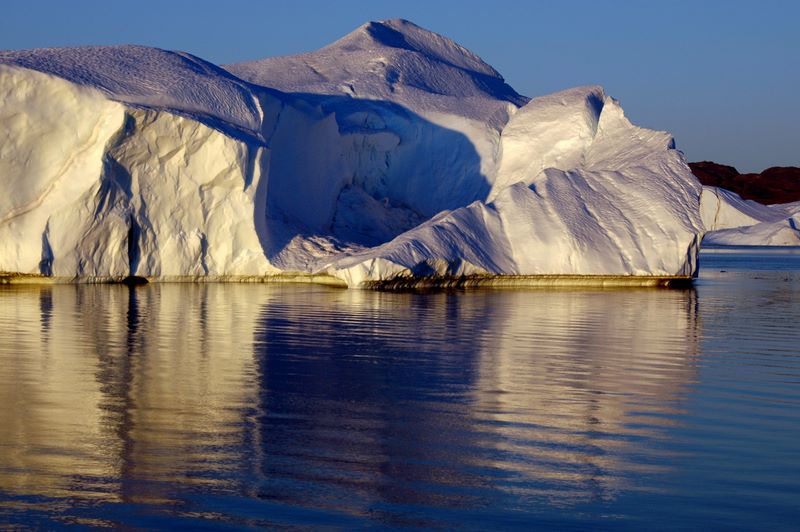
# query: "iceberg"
733, 221
391, 157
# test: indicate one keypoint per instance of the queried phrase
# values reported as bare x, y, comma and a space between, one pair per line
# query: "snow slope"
395, 61
149, 77
392, 153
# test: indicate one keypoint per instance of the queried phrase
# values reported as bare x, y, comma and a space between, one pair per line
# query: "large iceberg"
393, 155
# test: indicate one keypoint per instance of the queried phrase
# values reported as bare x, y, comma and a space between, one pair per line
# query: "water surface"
256, 405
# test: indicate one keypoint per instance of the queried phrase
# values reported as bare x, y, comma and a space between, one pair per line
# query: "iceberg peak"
393, 60
403, 34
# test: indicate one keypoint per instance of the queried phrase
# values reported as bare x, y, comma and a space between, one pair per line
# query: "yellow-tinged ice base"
399, 283
282, 278
531, 281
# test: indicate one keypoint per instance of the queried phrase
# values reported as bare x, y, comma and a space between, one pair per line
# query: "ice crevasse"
392, 155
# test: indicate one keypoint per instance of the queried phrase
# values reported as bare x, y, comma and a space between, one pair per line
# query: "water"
249, 405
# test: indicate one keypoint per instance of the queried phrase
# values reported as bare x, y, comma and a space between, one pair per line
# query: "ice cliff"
394, 153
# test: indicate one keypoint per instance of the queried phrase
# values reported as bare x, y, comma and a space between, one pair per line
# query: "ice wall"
97, 189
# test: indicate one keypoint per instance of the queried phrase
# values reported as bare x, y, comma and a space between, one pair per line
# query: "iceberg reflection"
354, 402
104, 386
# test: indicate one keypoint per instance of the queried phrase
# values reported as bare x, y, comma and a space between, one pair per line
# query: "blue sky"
722, 76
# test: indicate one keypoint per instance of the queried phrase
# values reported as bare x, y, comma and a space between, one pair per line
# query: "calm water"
250, 406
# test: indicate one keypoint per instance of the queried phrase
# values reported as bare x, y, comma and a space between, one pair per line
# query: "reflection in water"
111, 385
596, 377
470, 400
244, 403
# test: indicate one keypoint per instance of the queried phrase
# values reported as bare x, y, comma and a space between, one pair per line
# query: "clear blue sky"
722, 76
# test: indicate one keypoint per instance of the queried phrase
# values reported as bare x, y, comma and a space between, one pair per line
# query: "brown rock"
779, 184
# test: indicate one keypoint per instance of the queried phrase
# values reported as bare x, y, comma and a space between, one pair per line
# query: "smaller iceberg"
733, 221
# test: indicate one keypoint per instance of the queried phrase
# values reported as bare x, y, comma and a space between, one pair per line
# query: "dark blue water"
199, 406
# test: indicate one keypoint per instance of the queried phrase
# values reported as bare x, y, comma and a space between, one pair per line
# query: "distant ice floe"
732, 221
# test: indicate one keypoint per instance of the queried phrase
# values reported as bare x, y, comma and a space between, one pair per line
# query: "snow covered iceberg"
394, 155
733, 221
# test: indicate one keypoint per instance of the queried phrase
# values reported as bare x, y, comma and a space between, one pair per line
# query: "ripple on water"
182, 405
